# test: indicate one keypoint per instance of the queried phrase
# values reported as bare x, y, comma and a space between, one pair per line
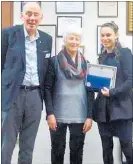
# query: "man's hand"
105, 91
52, 122
87, 125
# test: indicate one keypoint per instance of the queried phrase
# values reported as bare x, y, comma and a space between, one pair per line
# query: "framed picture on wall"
51, 30
107, 9
70, 7
24, 2
81, 49
130, 17
99, 45
63, 22
22, 5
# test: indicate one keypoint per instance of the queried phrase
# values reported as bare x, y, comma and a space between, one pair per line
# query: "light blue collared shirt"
31, 75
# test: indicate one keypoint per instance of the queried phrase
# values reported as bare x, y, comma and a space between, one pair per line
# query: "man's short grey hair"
72, 30
32, 3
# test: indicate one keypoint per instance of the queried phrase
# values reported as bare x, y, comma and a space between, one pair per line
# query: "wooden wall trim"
6, 13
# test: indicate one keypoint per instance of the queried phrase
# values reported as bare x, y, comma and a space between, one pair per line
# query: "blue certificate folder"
98, 82
99, 76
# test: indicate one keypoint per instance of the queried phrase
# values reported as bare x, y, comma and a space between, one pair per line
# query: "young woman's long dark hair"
117, 46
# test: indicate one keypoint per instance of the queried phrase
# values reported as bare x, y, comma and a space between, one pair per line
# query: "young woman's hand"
105, 91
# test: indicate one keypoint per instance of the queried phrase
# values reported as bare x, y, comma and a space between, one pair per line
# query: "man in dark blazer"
25, 58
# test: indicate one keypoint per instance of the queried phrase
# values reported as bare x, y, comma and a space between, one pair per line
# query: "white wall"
90, 21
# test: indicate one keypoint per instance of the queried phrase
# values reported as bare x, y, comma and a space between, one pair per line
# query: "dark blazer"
14, 65
119, 104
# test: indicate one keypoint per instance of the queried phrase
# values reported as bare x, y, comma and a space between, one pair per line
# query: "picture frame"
99, 45
24, 2
99, 76
51, 30
63, 22
70, 7
129, 17
108, 9
82, 49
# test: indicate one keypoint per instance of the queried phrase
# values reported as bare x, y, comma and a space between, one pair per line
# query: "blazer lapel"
22, 43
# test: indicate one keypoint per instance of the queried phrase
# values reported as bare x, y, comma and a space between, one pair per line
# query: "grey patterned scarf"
70, 70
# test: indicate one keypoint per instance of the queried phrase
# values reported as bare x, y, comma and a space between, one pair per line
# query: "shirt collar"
27, 35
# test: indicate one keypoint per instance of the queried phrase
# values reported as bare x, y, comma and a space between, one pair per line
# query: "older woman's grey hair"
72, 30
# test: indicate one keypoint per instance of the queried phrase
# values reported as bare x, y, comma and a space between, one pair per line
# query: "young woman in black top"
113, 107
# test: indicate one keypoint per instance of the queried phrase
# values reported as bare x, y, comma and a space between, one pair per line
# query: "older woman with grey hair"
67, 102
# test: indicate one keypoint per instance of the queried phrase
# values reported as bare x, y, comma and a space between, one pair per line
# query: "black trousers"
76, 143
123, 130
107, 145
